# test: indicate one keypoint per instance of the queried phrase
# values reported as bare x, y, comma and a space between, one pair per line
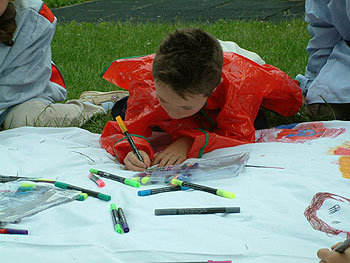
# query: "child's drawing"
329, 213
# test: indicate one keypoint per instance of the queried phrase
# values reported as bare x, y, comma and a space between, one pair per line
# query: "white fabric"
270, 228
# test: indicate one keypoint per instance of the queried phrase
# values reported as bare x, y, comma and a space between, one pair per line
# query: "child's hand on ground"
175, 153
133, 163
328, 256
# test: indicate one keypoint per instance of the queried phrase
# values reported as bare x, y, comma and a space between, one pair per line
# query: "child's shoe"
98, 98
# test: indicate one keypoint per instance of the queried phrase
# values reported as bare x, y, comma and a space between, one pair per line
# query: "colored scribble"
329, 213
344, 166
340, 150
298, 133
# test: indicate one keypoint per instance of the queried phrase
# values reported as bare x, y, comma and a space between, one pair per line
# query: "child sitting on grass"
203, 97
30, 84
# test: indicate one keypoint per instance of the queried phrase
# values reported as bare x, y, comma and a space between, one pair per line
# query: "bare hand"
175, 153
133, 163
328, 256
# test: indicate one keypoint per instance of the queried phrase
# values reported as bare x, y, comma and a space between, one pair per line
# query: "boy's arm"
113, 140
281, 94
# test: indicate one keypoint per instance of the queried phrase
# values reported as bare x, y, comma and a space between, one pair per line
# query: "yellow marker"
128, 137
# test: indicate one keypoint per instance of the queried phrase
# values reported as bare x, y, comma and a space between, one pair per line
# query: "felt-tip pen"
343, 246
190, 211
161, 190
115, 218
198, 187
117, 178
13, 231
128, 137
97, 180
87, 191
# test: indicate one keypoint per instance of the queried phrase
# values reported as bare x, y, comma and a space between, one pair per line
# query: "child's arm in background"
330, 256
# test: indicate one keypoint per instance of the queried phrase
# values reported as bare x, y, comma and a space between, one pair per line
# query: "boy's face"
3, 6
176, 106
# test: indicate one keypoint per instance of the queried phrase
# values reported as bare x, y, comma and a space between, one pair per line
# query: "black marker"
190, 211
343, 246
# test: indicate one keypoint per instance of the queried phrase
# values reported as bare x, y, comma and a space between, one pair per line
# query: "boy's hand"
175, 153
328, 256
133, 163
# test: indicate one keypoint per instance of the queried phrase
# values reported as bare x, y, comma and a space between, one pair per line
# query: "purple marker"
123, 220
13, 231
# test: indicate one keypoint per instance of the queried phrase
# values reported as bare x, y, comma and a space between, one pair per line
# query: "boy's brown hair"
8, 25
190, 62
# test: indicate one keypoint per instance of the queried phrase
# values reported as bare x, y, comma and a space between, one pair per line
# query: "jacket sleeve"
113, 140
281, 94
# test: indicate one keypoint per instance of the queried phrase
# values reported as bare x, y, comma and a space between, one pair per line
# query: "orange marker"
128, 137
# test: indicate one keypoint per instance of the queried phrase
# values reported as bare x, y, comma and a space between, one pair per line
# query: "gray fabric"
327, 73
25, 68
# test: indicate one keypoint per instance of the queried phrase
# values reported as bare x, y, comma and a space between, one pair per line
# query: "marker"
13, 231
115, 218
161, 190
209, 261
262, 166
128, 137
123, 220
87, 191
198, 187
343, 246
97, 180
192, 211
117, 178
5, 179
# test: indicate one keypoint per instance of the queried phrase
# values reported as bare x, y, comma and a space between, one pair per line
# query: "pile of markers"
119, 220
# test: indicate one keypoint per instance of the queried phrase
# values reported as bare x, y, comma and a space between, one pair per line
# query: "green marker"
214, 191
87, 191
115, 218
117, 178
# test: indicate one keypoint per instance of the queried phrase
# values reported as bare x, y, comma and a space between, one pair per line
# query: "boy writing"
204, 98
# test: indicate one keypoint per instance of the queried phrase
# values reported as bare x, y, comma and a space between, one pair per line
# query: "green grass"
61, 3
82, 51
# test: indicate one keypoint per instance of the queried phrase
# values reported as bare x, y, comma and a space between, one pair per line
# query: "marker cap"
132, 182
176, 182
104, 197
144, 193
118, 229
121, 124
82, 196
226, 194
93, 171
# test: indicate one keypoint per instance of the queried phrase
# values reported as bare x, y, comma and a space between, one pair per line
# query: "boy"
30, 84
204, 98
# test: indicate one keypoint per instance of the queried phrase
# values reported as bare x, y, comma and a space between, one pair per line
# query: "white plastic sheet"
271, 227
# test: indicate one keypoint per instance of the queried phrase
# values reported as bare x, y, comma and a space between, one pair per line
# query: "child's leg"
37, 113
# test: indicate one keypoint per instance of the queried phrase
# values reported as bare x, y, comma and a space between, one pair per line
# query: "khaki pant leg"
40, 114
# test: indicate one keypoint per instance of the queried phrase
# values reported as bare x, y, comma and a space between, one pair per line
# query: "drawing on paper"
329, 213
343, 149
297, 133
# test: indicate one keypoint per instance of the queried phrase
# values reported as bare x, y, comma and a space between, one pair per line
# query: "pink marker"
97, 180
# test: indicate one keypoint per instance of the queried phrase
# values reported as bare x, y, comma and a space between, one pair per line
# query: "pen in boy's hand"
128, 137
343, 246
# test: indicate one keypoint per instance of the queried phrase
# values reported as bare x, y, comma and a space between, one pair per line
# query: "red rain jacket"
226, 120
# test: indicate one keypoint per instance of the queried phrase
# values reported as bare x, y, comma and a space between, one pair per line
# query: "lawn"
83, 50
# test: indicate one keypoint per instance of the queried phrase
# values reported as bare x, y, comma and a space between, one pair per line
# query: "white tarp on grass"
271, 227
